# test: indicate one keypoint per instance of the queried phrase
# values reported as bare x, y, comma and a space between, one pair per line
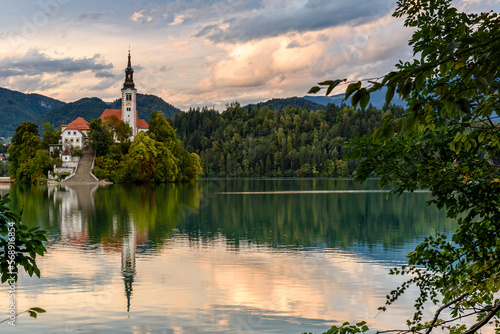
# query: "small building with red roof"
128, 112
75, 134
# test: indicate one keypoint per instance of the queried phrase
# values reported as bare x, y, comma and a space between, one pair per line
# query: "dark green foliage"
123, 132
260, 141
4, 169
100, 137
18, 107
447, 142
88, 108
18, 245
292, 102
29, 163
154, 157
377, 99
347, 328
159, 128
50, 136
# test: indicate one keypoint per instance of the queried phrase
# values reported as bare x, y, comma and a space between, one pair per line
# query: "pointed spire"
129, 74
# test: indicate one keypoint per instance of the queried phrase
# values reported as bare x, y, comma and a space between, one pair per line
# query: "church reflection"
129, 248
77, 209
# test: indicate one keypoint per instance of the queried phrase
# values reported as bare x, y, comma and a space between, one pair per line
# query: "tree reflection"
209, 209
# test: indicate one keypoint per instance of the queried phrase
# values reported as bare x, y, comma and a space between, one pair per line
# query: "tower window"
128, 97
128, 109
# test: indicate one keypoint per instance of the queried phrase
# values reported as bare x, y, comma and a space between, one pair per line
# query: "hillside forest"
257, 141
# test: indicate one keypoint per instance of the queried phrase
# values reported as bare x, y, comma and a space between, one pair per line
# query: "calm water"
237, 256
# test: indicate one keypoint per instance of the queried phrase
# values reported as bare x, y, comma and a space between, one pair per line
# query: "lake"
218, 256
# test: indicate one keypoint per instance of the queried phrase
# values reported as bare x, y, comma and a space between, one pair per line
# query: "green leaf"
364, 101
399, 125
480, 138
467, 146
351, 89
388, 131
37, 309
358, 96
314, 90
32, 314
390, 94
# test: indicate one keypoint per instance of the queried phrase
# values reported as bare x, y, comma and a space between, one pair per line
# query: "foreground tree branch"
448, 142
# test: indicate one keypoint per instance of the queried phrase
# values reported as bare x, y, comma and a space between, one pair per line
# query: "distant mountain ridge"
17, 107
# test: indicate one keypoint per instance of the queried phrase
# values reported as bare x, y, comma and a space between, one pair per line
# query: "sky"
199, 52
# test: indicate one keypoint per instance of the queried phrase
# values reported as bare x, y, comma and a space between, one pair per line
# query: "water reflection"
215, 257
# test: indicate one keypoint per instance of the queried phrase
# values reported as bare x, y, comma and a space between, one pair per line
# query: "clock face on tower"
128, 103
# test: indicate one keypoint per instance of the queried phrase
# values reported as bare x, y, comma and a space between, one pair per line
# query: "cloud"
178, 20
314, 15
94, 16
104, 74
34, 63
141, 17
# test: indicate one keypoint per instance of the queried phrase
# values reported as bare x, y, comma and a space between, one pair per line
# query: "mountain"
92, 108
88, 108
293, 102
377, 99
17, 107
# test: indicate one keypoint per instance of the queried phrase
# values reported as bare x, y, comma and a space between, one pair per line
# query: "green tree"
142, 159
50, 136
159, 128
123, 132
448, 142
28, 162
100, 137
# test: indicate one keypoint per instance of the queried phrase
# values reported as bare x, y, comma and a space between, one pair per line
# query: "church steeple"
129, 98
129, 74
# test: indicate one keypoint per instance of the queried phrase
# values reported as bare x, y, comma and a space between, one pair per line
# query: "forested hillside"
146, 104
88, 108
17, 107
264, 142
293, 102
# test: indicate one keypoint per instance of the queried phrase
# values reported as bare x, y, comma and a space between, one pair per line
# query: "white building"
74, 134
128, 112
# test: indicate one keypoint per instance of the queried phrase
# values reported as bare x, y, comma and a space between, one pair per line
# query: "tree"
142, 159
448, 142
100, 137
159, 128
50, 136
28, 162
123, 132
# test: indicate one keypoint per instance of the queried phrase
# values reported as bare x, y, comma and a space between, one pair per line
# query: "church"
75, 133
128, 112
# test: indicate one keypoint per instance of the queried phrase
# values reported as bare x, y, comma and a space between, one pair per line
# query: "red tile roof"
108, 112
79, 124
141, 124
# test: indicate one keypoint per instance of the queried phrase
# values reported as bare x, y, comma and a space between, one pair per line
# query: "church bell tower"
129, 101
